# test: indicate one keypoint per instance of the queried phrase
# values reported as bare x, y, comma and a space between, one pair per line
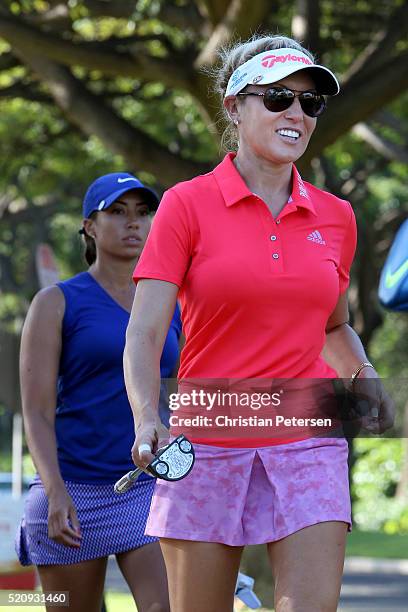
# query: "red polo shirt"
255, 292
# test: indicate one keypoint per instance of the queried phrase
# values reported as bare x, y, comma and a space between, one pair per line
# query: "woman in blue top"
77, 417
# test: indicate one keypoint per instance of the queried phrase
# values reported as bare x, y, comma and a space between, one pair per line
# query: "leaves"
375, 477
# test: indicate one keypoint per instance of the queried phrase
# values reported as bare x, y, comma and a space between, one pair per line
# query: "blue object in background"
393, 289
244, 590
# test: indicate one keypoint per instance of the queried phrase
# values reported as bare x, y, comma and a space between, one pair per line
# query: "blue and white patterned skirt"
110, 523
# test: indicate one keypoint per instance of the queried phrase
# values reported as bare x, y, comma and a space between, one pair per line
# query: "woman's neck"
114, 274
272, 182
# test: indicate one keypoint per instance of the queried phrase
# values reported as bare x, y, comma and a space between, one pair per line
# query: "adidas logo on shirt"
316, 237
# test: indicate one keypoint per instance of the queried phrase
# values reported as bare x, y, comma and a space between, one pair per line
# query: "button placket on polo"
276, 236
275, 246
273, 236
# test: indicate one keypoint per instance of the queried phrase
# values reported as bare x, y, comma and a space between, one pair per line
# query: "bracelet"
365, 364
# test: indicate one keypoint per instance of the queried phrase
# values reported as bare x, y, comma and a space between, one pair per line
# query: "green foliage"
172, 119
389, 344
6, 424
43, 163
12, 310
5, 462
388, 350
375, 477
28, 465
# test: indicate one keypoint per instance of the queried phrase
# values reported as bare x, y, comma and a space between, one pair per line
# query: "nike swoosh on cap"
392, 278
123, 180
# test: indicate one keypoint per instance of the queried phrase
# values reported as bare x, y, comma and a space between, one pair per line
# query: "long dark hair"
90, 252
90, 249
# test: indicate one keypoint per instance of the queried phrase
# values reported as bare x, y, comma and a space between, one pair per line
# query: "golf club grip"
127, 481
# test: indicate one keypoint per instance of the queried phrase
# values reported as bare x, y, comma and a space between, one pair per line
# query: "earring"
235, 122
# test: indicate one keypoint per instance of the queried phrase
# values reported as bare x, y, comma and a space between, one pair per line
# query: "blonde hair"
233, 56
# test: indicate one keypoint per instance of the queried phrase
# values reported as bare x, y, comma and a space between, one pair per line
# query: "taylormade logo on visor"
269, 60
272, 65
283, 61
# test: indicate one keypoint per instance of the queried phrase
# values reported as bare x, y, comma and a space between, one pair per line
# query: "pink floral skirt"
240, 496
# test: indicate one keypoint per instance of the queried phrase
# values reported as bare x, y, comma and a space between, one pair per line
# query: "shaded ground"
368, 585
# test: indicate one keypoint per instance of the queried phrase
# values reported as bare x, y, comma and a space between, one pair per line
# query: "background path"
369, 585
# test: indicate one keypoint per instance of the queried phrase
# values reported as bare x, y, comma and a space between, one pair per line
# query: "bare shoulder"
41, 344
48, 305
41, 337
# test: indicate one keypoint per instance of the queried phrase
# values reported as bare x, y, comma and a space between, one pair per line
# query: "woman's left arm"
344, 352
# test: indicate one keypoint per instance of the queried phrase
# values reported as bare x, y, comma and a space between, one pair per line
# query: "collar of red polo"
234, 188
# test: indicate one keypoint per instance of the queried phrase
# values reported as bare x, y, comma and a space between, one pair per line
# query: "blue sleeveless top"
94, 422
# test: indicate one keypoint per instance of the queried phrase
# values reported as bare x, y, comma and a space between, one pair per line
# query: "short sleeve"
348, 249
167, 252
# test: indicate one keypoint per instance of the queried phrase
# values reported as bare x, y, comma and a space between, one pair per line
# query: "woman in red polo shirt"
260, 262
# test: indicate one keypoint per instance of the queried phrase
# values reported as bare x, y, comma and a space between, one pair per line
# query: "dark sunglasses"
277, 99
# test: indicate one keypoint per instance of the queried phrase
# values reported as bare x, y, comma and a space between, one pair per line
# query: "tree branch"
183, 17
359, 100
113, 43
306, 24
32, 212
121, 9
94, 117
214, 9
387, 119
119, 63
381, 145
240, 20
56, 18
22, 90
381, 47
8, 60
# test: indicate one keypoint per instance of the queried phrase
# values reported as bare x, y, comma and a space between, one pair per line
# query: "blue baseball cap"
106, 189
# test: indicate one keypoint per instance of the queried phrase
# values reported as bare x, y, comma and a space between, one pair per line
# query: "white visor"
271, 66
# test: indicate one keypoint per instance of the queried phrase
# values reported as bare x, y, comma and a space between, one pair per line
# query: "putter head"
173, 462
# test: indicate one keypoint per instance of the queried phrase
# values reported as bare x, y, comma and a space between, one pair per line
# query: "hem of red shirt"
244, 442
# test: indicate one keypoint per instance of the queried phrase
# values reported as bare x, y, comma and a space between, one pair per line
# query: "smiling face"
274, 137
121, 230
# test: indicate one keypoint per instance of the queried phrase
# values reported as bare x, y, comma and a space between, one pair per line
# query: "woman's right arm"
152, 311
39, 363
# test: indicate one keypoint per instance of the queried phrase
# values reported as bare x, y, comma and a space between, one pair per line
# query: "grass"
375, 544
119, 602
